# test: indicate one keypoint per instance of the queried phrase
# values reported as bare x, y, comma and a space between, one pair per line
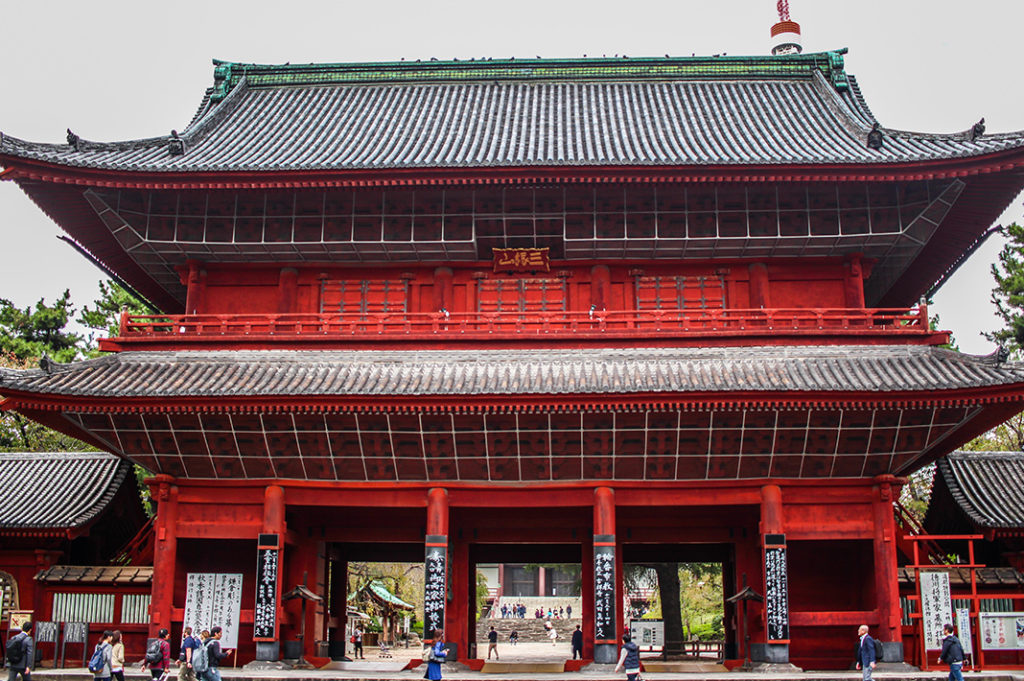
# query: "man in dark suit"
865, 652
577, 643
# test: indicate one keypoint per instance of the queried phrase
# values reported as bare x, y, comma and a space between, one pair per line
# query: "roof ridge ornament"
978, 129
175, 145
221, 80
875, 137
73, 139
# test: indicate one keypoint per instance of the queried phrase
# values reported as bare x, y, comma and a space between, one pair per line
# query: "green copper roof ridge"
526, 62
227, 74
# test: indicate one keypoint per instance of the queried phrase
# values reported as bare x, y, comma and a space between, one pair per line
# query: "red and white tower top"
786, 33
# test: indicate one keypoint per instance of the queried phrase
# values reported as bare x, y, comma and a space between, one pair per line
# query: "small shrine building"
594, 311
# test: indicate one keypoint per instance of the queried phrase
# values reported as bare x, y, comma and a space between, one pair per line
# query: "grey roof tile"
363, 373
988, 486
57, 490
655, 113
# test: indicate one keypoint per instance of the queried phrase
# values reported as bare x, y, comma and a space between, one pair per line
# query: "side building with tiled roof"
61, 512
603, 311
981, 493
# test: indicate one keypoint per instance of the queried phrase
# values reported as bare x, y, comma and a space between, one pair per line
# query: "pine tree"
1008, 295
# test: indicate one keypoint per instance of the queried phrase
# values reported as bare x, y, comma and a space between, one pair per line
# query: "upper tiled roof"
699, 111
46, 491
357, 373
988, 486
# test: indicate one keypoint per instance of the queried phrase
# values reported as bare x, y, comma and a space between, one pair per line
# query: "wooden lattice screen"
521, 295
364, 296
680, 292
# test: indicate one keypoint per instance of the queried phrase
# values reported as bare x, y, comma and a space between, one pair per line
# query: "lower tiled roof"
999, 576
103, 574
359, 373
988, 486
56, 491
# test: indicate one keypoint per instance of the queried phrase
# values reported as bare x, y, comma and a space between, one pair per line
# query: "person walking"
189, 644
214, 655
865, 653
553, 635
438, 654
105, 650
577, 643
116, 656
629, 658
158, 654
492, 644
357, 643
21, 654
952, 653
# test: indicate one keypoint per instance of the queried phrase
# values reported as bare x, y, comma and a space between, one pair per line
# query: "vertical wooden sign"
604, 593
435, 584
776, 589
265, 611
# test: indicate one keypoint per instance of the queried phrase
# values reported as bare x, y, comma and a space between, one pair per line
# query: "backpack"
153, 653
15, 650
428, 653
878, 650
98, 660
201, 659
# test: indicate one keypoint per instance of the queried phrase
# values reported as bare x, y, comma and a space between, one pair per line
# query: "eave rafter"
19, 169
525, 404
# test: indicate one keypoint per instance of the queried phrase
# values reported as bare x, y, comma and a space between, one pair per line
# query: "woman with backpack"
158, 654
435, 656
117, 656
99, 663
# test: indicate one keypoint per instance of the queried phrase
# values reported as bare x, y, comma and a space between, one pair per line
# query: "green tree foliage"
916, 494
105, 315
26, 335
1008, 294
482, 593
30, 333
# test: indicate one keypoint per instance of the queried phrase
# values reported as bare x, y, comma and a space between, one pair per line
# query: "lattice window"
355, 296
135, 609
79, 607
680, 293
521, 295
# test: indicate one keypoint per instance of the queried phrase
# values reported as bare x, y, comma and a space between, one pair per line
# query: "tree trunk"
671, 613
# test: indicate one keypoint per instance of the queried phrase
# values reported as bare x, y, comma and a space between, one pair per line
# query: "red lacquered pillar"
165, 554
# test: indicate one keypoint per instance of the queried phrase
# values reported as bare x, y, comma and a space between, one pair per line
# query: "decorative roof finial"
786, 33
73, 139
875, 137
978, 129
175, 145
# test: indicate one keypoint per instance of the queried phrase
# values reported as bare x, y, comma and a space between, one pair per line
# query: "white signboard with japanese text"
963, 629
1001, 631
647, 633
936, 606
214, 599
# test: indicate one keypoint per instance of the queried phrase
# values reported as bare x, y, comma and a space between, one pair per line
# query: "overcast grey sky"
124, 70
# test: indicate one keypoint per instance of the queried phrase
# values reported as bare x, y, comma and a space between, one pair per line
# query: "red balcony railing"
598, 325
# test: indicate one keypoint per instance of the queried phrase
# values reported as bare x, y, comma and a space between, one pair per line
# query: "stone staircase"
530, 629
